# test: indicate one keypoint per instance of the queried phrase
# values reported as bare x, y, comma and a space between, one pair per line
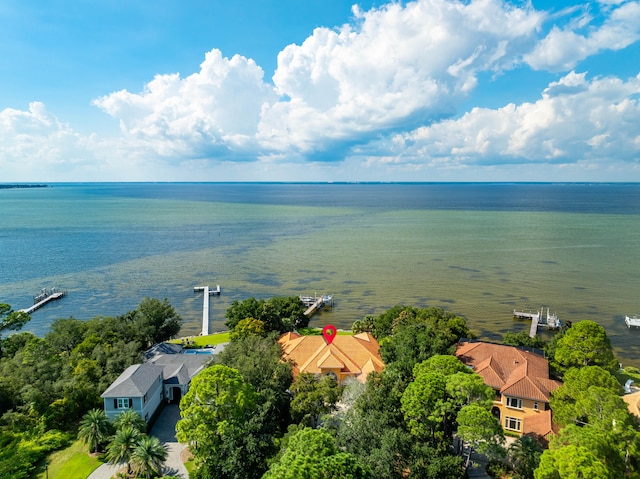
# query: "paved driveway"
165, 430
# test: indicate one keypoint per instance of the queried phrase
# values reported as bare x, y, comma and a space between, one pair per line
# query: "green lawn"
628, 373
318, 332
217, 338
71, 463
202, 341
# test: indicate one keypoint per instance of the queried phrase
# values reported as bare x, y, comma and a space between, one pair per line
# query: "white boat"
632, 321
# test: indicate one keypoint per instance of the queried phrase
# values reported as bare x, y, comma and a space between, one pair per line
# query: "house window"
512, 423
535, 405
514, 402
124, 403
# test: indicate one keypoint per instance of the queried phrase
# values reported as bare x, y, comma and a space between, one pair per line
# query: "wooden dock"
538, 319
315, 304
205, 305
534, 326
48, 298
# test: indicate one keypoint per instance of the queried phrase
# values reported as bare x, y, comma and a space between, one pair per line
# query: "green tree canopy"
585, 344
442, 386
259, 362
313, 454
424, 404
524, 455
522, 339
572, 402
277, 313
613, 447
218, 422
481, 430
155, 321
11, 320
313, 397
248, 327
571, 462
65, 334
416, 335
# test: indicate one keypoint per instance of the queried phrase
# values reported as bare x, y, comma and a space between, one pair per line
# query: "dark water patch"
565, 197
487, 293
549, 262
448, 301
463, 269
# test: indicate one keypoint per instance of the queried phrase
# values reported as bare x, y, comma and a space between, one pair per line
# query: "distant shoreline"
7, 186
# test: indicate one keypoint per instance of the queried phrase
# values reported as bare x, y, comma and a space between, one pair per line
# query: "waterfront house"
521, 381
346, 357
139, 388
166, 375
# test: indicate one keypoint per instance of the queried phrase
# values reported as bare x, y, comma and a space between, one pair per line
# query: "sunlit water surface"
478, 250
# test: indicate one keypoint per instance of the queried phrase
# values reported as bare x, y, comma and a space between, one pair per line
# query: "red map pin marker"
329, 332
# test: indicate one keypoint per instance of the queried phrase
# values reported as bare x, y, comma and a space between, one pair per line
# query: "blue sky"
319, 90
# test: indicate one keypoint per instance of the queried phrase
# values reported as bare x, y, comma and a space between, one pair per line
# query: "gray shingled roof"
160, 349
135, 381
182, 367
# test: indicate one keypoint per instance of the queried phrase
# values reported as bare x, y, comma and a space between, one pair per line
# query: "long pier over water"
205, 305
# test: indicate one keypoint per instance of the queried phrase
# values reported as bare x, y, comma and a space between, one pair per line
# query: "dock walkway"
315, 304
42, 302
205, 305
538, 319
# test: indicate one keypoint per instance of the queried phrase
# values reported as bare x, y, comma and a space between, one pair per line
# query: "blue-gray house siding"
139, 387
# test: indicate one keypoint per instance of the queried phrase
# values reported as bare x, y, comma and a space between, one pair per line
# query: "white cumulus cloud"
380, 91
214, 112
396, 66
574, 120
563, 48
34, 141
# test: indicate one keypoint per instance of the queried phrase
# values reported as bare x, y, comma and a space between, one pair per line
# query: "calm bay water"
479, 250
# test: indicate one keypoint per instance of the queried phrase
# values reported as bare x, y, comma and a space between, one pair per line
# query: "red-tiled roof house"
346, 357
521, 381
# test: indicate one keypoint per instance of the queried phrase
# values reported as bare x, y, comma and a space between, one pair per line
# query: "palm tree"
149, 456
121, 447
130, 418
94, 428
524, 456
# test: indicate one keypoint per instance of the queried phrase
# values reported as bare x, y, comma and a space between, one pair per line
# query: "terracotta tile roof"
539, 424
356, 355
512, 371
633, 402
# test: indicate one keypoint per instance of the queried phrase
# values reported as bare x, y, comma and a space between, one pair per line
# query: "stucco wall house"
521, 381
346, 357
